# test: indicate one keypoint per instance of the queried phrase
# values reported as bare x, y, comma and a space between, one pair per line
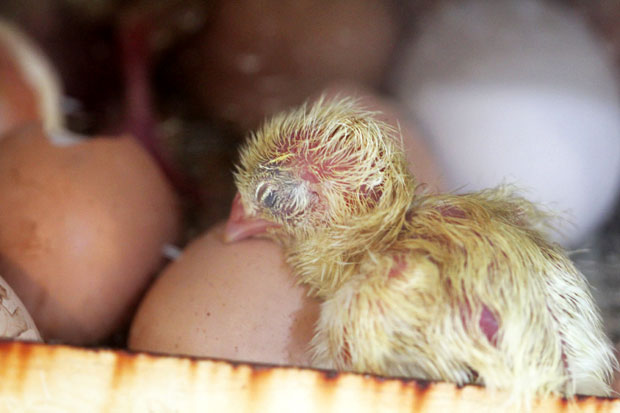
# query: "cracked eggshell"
236, 301
82, 226
30, 89
15, 321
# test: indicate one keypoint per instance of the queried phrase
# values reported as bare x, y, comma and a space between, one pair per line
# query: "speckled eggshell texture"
236, 301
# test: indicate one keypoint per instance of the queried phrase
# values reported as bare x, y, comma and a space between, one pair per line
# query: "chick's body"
459, 288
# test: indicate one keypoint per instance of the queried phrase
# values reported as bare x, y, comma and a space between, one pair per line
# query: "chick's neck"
329, 258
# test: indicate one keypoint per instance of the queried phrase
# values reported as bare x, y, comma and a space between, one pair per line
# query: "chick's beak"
241, 225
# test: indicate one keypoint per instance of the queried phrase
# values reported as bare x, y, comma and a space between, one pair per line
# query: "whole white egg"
522, 92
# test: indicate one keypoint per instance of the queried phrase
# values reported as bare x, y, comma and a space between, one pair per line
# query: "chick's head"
320, 167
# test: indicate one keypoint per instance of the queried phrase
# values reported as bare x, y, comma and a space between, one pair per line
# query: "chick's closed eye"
285, 201
266, 195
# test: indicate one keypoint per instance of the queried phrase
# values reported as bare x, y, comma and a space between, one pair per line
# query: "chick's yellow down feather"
463, 288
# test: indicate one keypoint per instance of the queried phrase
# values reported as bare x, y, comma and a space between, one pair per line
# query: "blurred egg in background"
82, 227
522, 92
259, 57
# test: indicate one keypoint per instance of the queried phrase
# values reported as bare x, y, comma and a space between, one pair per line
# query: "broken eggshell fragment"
30, 89
15, 321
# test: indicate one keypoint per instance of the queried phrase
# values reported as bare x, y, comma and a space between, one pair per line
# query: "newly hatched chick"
462, 288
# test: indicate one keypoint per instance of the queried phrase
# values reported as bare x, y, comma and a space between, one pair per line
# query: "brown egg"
236, 301
82, 226
29, 87
258, 57
423, 162
15, 321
